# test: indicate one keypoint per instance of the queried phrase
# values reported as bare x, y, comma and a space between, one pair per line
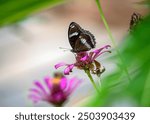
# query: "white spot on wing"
72, 26
91, 37
83, 40
85, 43
73, 34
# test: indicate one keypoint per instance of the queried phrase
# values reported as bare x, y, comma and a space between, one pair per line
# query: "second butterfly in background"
136, 18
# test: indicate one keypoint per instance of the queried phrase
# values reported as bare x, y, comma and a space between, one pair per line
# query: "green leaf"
15, 10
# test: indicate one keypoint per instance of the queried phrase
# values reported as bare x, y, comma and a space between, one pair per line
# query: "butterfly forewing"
80, 39
73, 33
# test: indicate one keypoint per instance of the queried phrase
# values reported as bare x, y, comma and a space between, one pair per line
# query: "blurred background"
32, 31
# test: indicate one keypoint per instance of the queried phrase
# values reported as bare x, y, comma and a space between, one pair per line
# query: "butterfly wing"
89, 38
84, 43
80, 39
73, 33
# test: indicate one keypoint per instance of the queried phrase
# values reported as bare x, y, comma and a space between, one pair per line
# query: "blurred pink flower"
55, 90
86, 61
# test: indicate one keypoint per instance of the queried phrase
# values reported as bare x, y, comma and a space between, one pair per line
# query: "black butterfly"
135, 19
80, 39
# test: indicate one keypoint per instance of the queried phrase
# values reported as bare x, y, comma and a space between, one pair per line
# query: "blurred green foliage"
15, 10
116, 89
145, 2
135, 51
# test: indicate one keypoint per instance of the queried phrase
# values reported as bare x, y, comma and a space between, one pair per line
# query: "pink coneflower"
86, 61
55, 90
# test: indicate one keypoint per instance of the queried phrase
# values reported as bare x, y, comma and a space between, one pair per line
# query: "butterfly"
135, 19
80, 40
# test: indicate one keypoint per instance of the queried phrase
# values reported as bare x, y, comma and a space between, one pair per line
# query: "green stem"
92, 81
111, 37
100, 85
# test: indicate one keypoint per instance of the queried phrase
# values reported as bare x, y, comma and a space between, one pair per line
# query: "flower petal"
63, 83
48, 82
72, 84
100, 54
84, 58
68, 69
76, 84
34, 98
100, 49
60, 64
71, 66
36, 91
40, 86
97, 52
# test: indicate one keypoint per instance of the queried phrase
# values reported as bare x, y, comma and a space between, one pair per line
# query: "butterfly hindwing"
81, 44
90, 38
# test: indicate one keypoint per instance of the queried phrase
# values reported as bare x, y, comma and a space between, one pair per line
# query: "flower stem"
111, 37
100, 85
92, 81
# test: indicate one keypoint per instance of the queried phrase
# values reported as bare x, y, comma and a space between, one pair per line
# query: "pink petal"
75, 85
48, 82
72, 84
97, 52
100, 54
100, 49
40, 86
60, 64
84, 58
33, 90
34, 98
68, 69
71, 66
63, 83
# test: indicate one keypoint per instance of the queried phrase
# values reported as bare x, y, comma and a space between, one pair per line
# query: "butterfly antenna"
64, 49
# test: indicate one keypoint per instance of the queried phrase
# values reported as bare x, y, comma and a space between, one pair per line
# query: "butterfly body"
80, 40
